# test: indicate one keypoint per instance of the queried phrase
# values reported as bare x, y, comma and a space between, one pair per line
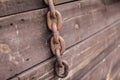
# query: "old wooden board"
108, 69
107, 2
21, 50
8, 7
87, 53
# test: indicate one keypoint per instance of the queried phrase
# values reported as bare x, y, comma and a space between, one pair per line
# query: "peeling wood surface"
89, 28
101, 42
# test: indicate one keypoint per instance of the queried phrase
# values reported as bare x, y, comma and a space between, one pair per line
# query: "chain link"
51, 4
54, 21
57, 20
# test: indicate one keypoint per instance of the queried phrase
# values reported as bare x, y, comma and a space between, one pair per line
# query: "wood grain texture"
24, 37
107, 2
108, 69
80, 56
8, 7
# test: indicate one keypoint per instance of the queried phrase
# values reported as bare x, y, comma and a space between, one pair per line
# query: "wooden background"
91, 29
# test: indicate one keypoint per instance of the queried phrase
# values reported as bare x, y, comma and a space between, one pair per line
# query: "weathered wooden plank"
107, 2
20, 50
117, 75
8, 7
85, 53
106, 69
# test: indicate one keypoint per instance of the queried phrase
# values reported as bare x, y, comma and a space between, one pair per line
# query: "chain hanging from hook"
54, 21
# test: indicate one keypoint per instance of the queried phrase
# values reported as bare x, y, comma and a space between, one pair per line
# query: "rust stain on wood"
4, 48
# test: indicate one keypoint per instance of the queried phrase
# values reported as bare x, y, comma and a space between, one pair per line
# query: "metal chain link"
54, 21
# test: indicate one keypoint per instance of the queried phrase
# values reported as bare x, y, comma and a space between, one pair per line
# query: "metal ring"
58, 20
46, 2
54, 46
66, 70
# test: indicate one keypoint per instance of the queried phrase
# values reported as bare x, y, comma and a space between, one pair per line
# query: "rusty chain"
54, 21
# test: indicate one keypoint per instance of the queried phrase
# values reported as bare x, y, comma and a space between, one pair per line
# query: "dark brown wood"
107, 69
107, 2
81, 55
8, 7
24, 37
24, 41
